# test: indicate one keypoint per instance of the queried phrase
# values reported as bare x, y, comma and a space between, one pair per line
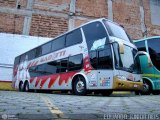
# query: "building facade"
49, 18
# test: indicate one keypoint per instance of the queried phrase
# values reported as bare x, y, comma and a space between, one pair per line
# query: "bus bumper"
119, 84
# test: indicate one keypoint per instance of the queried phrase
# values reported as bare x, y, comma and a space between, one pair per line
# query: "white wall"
12, 45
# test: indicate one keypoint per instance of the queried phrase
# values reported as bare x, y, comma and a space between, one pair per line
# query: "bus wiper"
129, 70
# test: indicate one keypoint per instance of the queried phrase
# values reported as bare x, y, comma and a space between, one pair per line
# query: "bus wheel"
137, 92
147, 88
106, 92
79, 86
21, 86
156, 92
26, 86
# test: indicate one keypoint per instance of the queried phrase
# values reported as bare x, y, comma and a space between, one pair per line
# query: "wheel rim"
21, 87
27, 87
146, 87
80, 86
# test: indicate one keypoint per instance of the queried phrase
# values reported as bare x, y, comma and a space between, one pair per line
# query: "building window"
155, 14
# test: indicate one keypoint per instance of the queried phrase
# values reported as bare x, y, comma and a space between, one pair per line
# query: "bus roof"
95, 20
148, 38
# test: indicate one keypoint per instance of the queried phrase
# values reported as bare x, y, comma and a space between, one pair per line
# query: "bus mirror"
121, 47
144, 53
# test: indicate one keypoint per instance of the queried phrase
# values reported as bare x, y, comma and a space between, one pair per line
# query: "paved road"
40, 106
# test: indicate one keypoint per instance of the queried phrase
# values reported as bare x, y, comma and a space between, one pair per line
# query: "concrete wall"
49, 18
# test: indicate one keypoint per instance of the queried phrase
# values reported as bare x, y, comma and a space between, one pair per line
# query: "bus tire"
147, 89
156, 92
79, 86
106, 92
137, 92
26, 87
21, 86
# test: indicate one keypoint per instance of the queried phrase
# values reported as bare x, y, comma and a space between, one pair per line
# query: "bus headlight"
121, 77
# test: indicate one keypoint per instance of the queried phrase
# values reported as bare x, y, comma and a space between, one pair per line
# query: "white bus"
97, 56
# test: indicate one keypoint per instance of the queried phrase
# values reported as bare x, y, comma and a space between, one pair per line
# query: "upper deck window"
116, 31
46, 48
58, 43
73, 37
96, 36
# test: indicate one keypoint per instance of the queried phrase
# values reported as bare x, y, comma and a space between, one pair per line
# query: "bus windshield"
127, 61
116, 31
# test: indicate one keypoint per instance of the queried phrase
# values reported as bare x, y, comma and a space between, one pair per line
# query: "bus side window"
141, 46
74, 37
154, 51
53, 67
22, 58
58, 43
31, 54
46, 48
41, 70
75, 62
17, 60
64, 65
38, 51
32, 71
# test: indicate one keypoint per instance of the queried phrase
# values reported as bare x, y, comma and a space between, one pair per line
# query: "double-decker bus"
151, 72
97, 56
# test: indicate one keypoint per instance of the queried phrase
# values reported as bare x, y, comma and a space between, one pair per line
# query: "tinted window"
154, 51
58, 43
96, 36
32, 71
46, 48
105, 58
31, 54
38, 51
16, 60
75, 62
116, 31
141, 46
51, 68
22, 57
74, 37
64, 65
41, 70
54, 66
101, 59
93, 59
